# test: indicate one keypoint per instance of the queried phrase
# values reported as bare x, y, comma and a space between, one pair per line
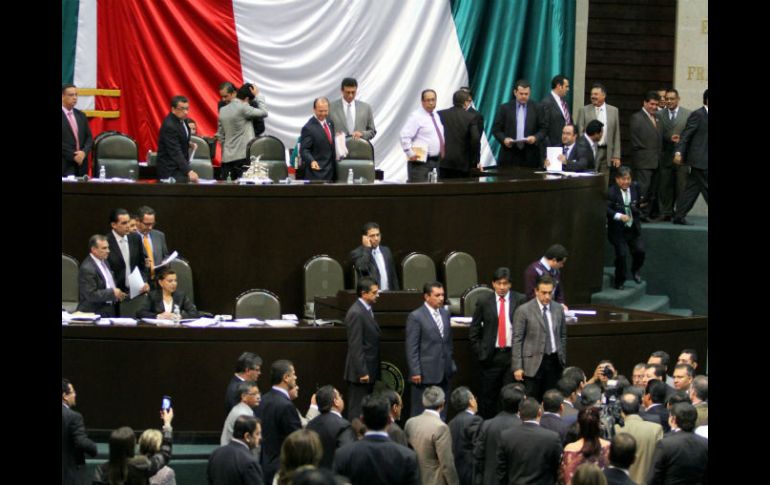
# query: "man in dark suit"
623, 227
429, 346
551, 263
655, 402
332, 428
278, 415
74, 441
174, 144
317, 144
375, 460
568, 388
490, 335
462, 138
479, 123
247, 368
552, 409
622, 454
97, 291
693, 149
673, 177
586, 149
539, 345
519, 119
487, 439
126, 251
555, 111
234, 462
528, 453
463, 428
395, 433
373, 260
646, 146
76, 140
681, 456
153, 240
227, 93
362, 362
568, 144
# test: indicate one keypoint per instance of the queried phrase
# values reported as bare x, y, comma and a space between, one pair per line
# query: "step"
680, 312
622, 298
650, 303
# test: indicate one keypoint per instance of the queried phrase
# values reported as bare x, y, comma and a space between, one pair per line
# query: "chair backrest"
120, 168
471, 297
203, 152
323, 277
276, 169
360, 149
416, 270
459, 273
262, 304
361, 168
184, 277
202, 167
119, 154
270, 147
69, 282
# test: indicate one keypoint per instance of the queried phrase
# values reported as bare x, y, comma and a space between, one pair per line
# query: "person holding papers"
623, 226
97, 292
422, 139
519, 127
163, 301
351, 116
568, 153
586, 149
126, 251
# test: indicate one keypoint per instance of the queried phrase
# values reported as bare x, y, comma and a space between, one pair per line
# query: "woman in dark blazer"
162, 300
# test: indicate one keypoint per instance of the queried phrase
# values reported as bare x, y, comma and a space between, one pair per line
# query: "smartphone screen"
166, 404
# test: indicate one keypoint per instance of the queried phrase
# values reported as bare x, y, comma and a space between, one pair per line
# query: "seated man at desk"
97, 292
371, 260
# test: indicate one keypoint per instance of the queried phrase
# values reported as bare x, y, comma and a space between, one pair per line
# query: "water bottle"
350, 175
102, 172
177, 314
434, 173
149, 156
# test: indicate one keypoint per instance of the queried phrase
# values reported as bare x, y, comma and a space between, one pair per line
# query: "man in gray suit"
429, 346
153, 240
646, 145
431, 439
352, 117
97, 291
646, 434
609, 144
539, 345
235, 129
673, 178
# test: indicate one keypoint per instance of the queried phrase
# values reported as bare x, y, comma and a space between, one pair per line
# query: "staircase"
634, 297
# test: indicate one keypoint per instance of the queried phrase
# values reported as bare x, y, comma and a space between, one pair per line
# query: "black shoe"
637, 277
682, 221
619, 287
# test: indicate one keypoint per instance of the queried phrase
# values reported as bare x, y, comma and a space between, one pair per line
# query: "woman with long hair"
300, 449
588, 448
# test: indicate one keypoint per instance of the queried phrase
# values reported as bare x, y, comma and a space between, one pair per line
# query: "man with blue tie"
429, 346
519, 127
623, 227
554, 259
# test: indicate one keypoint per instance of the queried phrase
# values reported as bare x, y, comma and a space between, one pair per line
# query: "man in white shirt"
373, 260
422, 139
351, 116
608, 153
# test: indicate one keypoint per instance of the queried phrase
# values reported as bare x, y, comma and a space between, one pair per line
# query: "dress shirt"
236, 440
507, 319
672, 114
621, 469
626, 194
533, 421
282, 391
125, 252
352, 107
419, 128
601, 115
559, 104
332, 411
436, 314
569, 150
379, 259
651, 117
377, 433
366, 305
470, 412
593, 146
550, 324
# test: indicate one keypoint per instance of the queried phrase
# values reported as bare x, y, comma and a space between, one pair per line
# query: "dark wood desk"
121, 373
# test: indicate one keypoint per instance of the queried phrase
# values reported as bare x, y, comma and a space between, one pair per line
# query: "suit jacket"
375, 460
480, 124
615, 205
279, 419
173, 149
154, 305
703, 413
505, 127
646, 142
135, 258
235, 128
234, 464
483, 330
314, 145
396, 434
662, 413
680, 458
364, 121
486, 445
647, 436
85, 142
431, 439
464, 427
92, 289
587, 113
555, 423
240, 409
462, 139
694, 143
258, 123
669, 128
334, 432
616, 476
554, 120
528, 454
158, 243
529, 334
583, 159
533, 271
74, 446
427, 353
363, 356
366, 267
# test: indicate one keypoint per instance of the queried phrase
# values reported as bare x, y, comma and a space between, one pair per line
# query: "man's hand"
365, 241
145, 288
254, 90
357, 134
165, 316
313, 401
518, 374
616, 162
676, 138
566, 309
625, 217
531, 140
413, 158
79, 157
147, 263
508, 142
167, 415
193, 176
678, 158
314, 165
416, 380
364, 379
547, 163
119, 295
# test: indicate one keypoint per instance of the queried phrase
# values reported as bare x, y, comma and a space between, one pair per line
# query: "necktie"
671, 115
565, 150
439, 322
109, 281
567, 117
627, 207
328, 133
74, 126
186, 131
548, 342
148, 250
440, 138
125, 252
379, 260
501, 334
521, 120
349, 116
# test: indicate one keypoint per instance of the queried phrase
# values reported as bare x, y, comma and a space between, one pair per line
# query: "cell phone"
166, 403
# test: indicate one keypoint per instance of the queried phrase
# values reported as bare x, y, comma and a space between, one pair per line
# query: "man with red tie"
490, 336
317, 143
76, 140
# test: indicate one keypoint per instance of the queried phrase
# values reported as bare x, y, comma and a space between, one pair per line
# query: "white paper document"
199, 322
122, 321
135, 283
168, 259
552, 154
281, 323
242, 323
339, 145
192, 153
574, 313
158, 321
460, 321
207, 181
